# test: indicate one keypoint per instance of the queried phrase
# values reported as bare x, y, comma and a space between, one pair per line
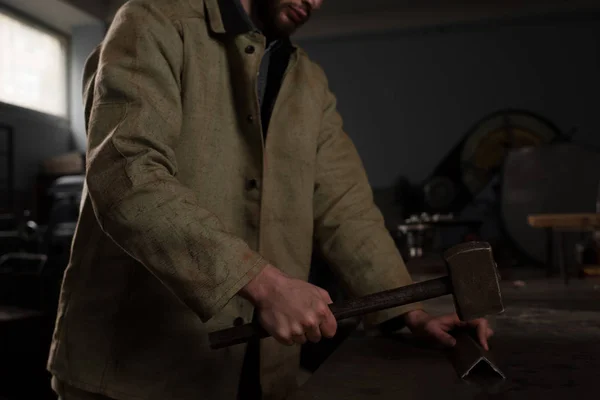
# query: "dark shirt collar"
247, 21
236, 21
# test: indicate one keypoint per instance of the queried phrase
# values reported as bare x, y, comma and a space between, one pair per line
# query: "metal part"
472, 362
475, 280
421, 231
418, 232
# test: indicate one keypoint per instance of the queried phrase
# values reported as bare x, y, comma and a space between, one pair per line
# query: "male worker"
216, 159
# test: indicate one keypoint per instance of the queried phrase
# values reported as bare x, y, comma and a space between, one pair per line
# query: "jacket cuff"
252, 267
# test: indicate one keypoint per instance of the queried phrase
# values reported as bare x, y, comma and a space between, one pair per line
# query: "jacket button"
253, 184
239, 321
250, 49
250, 118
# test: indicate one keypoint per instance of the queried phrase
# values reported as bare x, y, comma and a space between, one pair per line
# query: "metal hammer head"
475, 280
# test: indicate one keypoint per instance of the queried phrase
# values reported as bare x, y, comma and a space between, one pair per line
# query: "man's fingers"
312, 330
298, 335
482, 334
283, 336
444, 338
325, 295
450, 321
328, 325
299, 339
278, 327
300, 312
455, 320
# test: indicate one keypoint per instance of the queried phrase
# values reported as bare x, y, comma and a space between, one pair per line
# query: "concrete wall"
408, 96
36, 137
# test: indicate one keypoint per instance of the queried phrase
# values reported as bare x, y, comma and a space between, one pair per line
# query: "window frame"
37, 23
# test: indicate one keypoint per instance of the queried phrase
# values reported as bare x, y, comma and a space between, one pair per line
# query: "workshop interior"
476, 123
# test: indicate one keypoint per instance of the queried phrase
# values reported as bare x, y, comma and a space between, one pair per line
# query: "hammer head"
475, 280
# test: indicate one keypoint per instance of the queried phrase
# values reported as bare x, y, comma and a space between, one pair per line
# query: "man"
216, 159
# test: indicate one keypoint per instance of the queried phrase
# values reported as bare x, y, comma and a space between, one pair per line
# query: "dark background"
407, 94
412, 79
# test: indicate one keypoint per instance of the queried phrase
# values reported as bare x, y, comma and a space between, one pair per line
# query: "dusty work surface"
547, 343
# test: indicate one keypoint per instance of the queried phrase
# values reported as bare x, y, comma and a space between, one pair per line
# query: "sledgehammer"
472, 279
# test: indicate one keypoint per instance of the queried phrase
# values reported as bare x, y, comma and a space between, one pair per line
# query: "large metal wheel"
477, 159
491, 140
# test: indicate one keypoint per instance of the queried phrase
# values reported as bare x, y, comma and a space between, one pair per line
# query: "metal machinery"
478, 158
31, 269
561, 178
33, 256
469, 168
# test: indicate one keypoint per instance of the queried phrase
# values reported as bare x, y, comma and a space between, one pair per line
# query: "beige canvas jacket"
185, 203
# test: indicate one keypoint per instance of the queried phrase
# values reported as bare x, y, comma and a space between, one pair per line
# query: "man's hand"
290, 310
437, 328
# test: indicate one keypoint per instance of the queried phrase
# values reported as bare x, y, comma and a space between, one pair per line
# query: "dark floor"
24, 344
547, 343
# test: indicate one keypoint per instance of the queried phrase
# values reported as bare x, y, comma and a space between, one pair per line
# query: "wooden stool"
561, 224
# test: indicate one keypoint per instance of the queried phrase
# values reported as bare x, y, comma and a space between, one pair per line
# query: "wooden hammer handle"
347, 309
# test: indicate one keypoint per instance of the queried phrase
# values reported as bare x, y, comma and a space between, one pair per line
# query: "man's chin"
285, 28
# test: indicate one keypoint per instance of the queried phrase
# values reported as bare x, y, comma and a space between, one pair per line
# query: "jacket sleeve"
349, 228
133, 129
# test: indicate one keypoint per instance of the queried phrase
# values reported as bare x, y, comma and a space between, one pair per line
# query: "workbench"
395, 368
546, 344
558, 225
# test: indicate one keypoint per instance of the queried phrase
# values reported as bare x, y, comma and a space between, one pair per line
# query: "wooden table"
558, 225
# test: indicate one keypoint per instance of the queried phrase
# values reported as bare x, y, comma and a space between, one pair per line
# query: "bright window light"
33, 66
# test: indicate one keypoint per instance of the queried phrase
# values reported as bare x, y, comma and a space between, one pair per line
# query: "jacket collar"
228, 16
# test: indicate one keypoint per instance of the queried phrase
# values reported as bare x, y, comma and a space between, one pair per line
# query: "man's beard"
269, 14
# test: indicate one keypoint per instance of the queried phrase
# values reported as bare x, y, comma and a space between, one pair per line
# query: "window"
33, 67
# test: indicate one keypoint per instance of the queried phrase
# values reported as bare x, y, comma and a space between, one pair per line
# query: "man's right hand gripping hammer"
290, 310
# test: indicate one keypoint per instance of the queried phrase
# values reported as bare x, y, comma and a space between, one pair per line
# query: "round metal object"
491, 140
